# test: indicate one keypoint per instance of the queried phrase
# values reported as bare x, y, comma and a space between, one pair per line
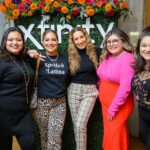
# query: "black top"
141, 88
86, 73
14, 111
53, 77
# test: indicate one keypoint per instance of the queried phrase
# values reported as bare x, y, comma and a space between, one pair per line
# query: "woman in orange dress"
115, 73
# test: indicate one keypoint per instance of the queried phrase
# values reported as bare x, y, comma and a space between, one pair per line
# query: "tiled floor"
135, 144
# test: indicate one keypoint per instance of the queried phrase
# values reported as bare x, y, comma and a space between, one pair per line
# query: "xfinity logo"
44, 24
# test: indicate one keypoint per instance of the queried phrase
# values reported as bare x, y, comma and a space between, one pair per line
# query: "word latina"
59, 28
55, 68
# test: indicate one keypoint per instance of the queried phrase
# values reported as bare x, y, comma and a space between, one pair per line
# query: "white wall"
135, 23
4, 24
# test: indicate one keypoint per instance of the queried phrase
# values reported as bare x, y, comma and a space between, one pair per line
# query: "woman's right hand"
33, 54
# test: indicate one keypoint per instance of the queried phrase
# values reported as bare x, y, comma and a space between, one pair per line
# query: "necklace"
26, 76
52, 59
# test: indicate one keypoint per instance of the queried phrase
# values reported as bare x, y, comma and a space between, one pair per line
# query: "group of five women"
76, 76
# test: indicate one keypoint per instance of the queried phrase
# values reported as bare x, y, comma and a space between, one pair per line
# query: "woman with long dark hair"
141, 84
16, 79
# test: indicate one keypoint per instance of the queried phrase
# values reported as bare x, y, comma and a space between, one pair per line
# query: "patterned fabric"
141, 88
81, 99
50, 116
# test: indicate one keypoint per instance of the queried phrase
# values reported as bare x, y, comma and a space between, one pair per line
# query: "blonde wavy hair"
123, 37
73, 56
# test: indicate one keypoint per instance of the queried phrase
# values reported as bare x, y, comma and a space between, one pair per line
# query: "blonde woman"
82, 92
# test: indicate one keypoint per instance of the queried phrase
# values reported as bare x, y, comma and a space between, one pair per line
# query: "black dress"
15, 115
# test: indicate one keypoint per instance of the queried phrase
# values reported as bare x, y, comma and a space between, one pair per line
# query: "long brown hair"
140, 62
73, 56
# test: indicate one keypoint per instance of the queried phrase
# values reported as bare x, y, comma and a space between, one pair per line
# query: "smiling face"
114, 45
50, 43
145, 48
14, 43
79, 39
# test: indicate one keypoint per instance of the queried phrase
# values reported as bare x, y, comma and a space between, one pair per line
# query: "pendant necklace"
26, 76
52, 59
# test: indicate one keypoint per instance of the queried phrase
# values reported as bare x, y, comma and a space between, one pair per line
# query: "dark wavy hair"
140, 62
3, 51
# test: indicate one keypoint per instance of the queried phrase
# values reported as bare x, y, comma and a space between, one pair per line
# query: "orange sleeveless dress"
116, 134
